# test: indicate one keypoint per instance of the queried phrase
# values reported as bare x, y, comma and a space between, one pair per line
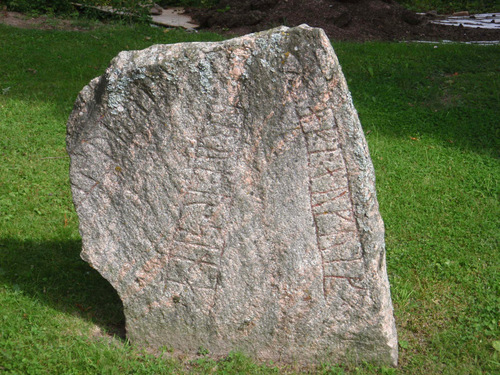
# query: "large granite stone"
226, 191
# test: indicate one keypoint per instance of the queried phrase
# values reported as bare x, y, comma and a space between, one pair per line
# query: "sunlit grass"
431, 119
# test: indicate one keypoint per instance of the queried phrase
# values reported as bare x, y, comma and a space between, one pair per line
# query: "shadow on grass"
53, 273
402, 90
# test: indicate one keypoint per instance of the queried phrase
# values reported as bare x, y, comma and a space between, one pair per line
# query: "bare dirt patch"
357, 20
39, 22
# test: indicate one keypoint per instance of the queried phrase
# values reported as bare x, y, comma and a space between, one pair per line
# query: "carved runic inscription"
226, 192
201, 235
331, 204
188, 258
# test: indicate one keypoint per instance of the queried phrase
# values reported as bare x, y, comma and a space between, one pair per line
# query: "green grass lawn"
431, 114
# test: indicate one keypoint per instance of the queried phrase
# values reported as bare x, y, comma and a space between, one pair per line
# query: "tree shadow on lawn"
53, 273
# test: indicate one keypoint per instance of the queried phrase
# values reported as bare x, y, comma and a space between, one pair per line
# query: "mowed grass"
431, 116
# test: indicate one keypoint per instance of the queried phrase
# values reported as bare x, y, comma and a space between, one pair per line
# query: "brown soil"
42, 22
356, 20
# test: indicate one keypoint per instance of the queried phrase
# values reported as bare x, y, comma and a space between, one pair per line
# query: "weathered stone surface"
226, 192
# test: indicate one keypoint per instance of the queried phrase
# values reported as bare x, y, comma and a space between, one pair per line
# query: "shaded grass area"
431, 117
431, 120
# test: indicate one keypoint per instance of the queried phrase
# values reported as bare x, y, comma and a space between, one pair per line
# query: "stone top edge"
275, 30
128, 55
